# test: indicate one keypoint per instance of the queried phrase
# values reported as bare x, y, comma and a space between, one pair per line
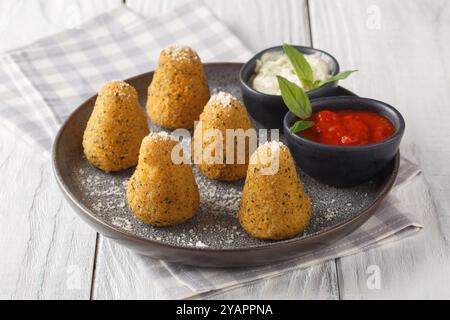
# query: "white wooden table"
401, 49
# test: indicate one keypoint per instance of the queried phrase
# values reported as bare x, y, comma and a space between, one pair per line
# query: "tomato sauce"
348, 128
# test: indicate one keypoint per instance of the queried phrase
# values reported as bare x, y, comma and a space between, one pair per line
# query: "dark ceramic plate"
214, 237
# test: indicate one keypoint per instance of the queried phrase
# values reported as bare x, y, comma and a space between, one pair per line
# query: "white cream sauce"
276, 63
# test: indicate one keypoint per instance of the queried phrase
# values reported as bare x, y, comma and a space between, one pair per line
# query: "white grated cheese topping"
179, 52
224, 99
273, 145
200, 244
161, 136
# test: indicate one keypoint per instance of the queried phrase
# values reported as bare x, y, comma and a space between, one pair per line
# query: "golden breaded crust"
115, 128
179, 89
276, 206
222, 112
160, 192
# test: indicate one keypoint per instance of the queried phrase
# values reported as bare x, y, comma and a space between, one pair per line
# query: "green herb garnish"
340, 76
301, 66
298, 102
304, 71
301, 125
294, 96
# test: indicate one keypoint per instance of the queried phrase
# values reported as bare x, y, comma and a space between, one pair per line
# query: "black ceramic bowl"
269, 110
345, 166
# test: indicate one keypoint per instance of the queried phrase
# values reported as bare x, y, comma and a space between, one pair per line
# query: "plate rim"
86, 213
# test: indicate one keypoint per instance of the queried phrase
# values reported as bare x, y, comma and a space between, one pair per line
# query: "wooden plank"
401, 50
47, 252
258, 23
122, 274
315, 283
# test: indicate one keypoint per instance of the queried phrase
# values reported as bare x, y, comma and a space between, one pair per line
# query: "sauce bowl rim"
248, 87
399, 129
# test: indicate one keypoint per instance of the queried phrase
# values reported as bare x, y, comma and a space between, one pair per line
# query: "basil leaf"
295, 98
301, 125
316, 83
340, 76
308, 85
300, 64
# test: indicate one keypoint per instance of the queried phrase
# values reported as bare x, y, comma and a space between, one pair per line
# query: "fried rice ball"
115, 128
161, 192
179, 89
223, 111
274, 205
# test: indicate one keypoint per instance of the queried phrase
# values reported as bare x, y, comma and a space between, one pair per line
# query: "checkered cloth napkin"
41, 84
